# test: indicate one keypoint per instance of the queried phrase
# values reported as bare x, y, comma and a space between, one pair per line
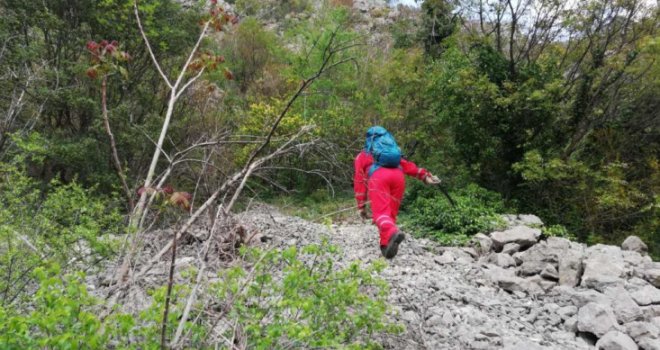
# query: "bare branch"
146, 42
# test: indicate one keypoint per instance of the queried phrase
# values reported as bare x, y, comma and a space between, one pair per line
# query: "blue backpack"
382, 146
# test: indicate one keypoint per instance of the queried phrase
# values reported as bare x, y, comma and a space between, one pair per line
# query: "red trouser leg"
386, 187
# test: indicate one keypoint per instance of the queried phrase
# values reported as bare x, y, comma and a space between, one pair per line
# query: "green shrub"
315, 303
61, 317
60, 223
428, 213
558, 231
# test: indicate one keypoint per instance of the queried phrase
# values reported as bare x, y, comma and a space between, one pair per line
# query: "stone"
547, 285
583, 297
570, 268
530, 220
646, 295
570, 325
511, 248
409, 316
625, 308
596, 319
632, 259
649, 344
603, 268
434, 321
448, 319
652, 276
615, 340
567, 312
501, 260
634, 244
651, 311
550, 272
507, 280
446, 258
641, 330
532, 267
522, 235
482, 243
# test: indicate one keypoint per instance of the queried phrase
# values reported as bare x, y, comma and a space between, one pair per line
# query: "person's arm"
360, 179
411, 169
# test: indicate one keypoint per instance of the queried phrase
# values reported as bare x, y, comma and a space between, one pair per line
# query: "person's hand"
431, 179
363, 213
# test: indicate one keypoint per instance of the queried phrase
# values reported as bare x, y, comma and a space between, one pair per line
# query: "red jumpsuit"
385, 190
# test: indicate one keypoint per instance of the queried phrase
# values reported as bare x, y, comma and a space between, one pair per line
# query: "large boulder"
596, 319
603, 267
635, 244
535, 259
615, 340
646, 295
625, 308
522, 235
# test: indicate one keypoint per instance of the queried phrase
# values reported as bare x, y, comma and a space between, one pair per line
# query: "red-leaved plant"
169, 196
105, 59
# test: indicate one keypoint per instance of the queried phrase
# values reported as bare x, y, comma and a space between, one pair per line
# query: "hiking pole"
444, 191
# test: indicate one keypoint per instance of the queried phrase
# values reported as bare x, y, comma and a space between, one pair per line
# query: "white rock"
646, 295
652, 276
603, 267
570, 325
615, 340
596, 319
501, 260
523, 235
511, 248
625, 308
641, 330
527, 219
549, 272
446, 258
635, 244
567, 312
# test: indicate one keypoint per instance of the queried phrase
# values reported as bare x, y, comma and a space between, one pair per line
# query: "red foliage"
92, 73
228, 74
181, 199
167, 189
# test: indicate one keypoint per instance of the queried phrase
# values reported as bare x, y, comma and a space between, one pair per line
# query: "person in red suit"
384, 188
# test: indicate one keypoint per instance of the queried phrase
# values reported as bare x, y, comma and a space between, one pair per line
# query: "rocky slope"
511, 290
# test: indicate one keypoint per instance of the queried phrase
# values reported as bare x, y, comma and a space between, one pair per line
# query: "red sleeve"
361, 164
411, 169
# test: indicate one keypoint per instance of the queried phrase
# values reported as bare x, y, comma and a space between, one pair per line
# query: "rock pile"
514, 289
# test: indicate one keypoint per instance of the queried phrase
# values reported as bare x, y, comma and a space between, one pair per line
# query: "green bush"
428, 213
60, 223
315, 303
558, 231
61, 317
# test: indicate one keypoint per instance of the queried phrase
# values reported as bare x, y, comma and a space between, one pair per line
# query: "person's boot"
392, 247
